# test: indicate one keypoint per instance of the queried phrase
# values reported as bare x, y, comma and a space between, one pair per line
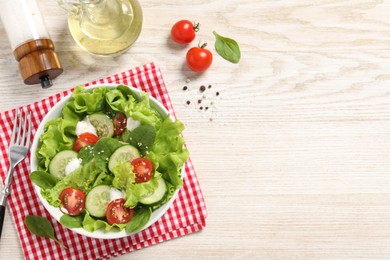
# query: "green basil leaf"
139, 220
86, 154
42, 227
43, 180
143, 138
227, 48
72, 221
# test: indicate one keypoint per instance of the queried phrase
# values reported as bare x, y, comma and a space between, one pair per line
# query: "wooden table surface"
293, 156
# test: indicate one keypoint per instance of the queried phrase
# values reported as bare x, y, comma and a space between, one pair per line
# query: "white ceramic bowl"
55, 212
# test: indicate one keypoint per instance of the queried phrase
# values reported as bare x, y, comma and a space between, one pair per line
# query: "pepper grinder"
30, 41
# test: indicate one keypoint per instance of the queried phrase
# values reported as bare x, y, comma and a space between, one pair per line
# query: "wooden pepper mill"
38, 63
33, 48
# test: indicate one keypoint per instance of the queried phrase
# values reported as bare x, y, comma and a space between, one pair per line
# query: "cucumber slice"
97, 200
103, 124
123, 154
157, 195
58, 163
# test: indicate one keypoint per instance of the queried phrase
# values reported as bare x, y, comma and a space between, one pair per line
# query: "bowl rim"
55, 212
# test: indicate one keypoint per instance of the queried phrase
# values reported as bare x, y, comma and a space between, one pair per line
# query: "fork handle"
2, 215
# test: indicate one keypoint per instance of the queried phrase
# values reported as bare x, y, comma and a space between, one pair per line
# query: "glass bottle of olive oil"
104, 27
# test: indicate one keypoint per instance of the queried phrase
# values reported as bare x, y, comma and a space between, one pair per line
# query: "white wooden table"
293, 156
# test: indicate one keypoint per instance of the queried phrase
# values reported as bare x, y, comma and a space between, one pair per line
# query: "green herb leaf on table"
42, 227
227, 48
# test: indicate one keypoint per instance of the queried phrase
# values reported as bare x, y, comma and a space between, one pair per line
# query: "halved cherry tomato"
72, 201
143, 169
83, 140
120, 122
117, 213
199, 59
184, 31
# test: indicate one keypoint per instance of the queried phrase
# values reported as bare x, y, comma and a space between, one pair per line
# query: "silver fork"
18, 148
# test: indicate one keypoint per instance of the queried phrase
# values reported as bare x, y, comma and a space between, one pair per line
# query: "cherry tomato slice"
184, 31
83, 140
143, 169
199, 59
117, 213
72, 201
120, 122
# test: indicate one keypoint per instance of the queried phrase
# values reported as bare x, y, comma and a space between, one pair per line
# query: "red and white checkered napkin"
186, 215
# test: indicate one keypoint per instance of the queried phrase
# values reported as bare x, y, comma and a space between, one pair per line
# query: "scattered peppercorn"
205, 102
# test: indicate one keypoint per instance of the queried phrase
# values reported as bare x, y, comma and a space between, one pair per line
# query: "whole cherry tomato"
184, 31
199, 59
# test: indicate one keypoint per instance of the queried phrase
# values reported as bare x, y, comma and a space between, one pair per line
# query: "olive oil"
106, 27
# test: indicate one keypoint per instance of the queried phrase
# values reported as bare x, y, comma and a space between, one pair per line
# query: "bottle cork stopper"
38, 62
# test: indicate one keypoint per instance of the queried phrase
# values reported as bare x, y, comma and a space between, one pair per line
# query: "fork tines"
22, 129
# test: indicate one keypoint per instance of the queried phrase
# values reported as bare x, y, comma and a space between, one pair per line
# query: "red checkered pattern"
186, 215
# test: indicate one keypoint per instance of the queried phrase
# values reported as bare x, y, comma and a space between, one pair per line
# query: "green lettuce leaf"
123, 173
90, 224
168, 151
54, 139
87, 102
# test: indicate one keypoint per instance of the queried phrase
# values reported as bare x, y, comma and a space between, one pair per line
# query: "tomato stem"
203, 45
196, 26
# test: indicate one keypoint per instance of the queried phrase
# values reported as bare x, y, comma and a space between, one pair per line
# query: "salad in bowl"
108, 161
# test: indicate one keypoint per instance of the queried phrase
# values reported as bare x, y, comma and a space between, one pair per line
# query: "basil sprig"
42, 227
227, 48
